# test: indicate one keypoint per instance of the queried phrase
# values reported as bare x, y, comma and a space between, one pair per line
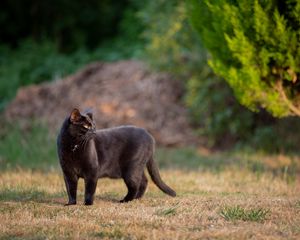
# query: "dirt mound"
119, 93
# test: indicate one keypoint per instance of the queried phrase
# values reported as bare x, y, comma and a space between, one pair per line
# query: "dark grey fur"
121, 152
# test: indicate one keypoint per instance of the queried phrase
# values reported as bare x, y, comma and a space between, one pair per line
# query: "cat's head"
81, 123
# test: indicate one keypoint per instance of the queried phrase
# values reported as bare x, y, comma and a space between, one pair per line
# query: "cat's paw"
70, 203
125, 200
88, 202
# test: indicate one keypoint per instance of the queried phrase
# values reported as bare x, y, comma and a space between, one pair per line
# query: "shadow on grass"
29, 195
14, 237
108, 198
34, 195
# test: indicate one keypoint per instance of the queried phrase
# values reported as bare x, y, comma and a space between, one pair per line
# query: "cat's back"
126, 133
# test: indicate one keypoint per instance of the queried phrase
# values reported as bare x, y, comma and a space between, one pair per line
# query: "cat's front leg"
71, 182
90, 188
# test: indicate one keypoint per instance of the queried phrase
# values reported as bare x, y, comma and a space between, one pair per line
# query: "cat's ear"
89, 113
75, 115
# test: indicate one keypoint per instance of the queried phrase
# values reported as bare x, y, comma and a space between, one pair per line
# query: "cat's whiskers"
84, 139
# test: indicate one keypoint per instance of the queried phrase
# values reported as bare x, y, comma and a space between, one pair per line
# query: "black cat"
121, 152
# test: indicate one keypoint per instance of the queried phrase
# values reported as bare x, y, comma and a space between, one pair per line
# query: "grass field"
228, 204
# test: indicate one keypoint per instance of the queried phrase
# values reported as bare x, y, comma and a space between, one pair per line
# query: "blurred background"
177, 68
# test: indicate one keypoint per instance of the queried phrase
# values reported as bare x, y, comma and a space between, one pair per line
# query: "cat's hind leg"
132, 182
142, 187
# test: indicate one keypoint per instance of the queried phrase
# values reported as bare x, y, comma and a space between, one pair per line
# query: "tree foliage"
255, 46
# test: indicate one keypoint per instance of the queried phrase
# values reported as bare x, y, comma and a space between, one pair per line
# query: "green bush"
255, 47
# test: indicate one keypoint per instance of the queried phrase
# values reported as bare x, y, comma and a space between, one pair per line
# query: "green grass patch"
171, 211
238, 213
115, 233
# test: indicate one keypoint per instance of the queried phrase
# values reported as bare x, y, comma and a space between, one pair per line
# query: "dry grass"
31, 207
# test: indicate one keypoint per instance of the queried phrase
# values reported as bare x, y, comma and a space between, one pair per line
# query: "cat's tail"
155, 176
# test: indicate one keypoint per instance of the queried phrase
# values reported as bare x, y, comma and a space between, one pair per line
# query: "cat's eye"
86, 126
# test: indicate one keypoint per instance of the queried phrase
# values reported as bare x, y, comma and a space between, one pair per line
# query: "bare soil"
119, 93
